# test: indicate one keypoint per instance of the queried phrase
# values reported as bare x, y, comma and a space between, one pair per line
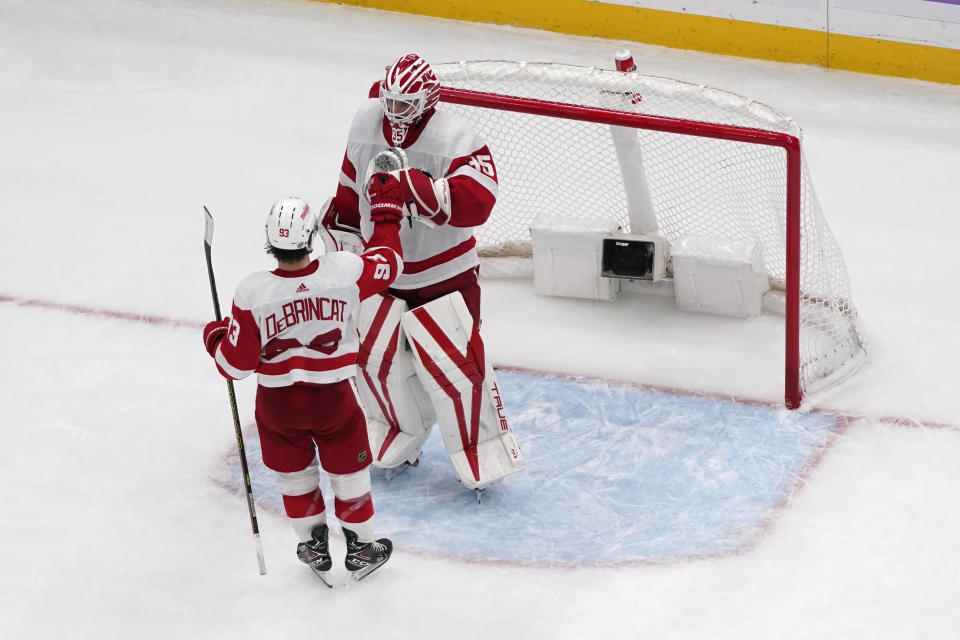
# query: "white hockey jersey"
442, 145
299, 326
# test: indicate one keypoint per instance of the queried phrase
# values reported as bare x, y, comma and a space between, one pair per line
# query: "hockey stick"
207, 244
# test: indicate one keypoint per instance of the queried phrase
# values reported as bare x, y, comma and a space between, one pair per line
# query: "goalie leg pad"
398, 409
450, 361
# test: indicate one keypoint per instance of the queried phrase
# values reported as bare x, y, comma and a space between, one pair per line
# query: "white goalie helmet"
291, 224
409, 90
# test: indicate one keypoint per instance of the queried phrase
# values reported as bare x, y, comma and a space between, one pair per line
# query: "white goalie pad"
398, 409
450, 359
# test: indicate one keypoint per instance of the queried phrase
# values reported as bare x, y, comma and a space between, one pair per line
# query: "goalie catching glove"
427, 199
389, 160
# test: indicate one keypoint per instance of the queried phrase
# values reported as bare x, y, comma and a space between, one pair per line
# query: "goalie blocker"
427, 365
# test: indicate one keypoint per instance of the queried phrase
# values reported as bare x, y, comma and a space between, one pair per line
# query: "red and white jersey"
300, 326
444, 146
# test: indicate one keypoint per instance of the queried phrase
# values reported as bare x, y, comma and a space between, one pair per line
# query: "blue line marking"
614, 474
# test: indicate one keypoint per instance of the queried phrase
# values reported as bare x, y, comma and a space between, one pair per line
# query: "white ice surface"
119, 119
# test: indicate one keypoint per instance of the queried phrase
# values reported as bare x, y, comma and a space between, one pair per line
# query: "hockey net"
715, 164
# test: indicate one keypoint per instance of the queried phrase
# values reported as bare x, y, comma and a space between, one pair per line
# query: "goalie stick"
207, 244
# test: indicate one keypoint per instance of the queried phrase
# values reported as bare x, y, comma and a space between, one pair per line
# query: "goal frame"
793, 393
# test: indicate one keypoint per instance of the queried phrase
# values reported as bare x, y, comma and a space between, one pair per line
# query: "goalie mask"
409, 90
291, 224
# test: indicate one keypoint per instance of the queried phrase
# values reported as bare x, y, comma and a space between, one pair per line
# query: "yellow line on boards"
699, 33
888, 58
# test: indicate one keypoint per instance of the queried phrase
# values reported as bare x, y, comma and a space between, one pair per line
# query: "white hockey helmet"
291, 224
409, 90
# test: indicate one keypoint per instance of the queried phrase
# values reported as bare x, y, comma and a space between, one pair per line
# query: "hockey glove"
334, 220
336, 233
213, 333
427, 199
385, 195
390, 159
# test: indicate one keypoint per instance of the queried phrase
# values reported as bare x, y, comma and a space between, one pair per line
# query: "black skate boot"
316, 553
363, 558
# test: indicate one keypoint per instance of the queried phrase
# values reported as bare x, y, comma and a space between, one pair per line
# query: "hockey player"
421, 357
295, 327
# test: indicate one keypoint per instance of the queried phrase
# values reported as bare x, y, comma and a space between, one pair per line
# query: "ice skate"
316, 553
393, 472
363, 558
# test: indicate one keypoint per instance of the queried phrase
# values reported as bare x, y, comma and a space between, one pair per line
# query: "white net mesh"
697, 185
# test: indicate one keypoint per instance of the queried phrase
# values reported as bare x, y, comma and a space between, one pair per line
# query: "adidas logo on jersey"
302, 288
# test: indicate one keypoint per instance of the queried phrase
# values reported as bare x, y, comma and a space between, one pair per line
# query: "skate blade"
360, 574
393, 472
324, 577
390, 474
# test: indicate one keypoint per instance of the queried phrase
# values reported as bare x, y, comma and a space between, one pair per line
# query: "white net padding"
697, 185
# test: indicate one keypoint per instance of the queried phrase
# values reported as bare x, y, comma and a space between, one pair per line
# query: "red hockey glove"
329, 218
336, 232
335, 220
213, 333
386, 198
427, 198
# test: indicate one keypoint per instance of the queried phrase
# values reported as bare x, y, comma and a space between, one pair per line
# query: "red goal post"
766, 195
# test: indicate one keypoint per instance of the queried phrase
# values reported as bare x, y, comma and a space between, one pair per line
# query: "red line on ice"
102, 313
113, 314
897, 421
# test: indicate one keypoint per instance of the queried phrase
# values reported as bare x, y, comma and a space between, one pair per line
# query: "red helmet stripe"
410, 79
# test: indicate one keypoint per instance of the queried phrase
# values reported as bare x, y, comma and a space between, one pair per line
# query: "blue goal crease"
614, 474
